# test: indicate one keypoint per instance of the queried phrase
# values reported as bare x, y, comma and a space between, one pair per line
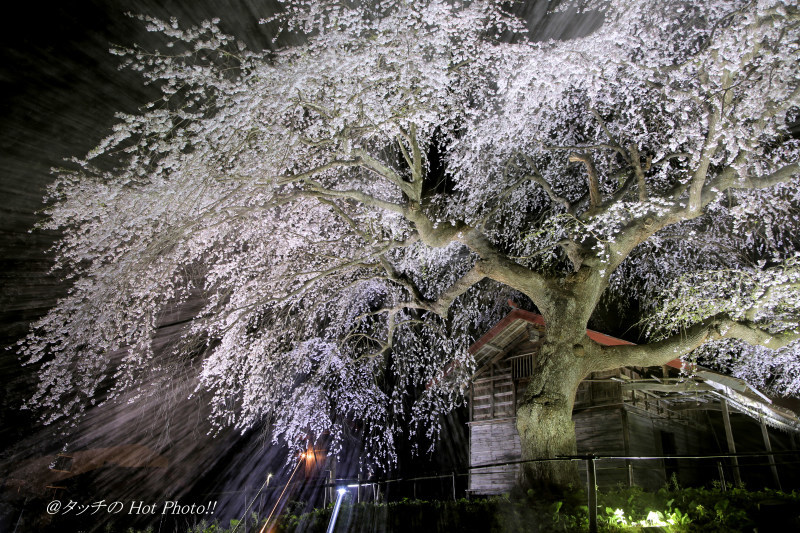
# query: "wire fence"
776, 469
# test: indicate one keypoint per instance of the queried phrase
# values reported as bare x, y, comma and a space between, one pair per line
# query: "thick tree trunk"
544, 418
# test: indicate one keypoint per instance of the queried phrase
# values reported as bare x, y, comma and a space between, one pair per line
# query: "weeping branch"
461, 285
614, 143
704, 191
537, 178
730, 179
331, 165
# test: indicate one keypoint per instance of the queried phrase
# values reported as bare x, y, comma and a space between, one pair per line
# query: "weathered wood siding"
493, 441
689, 439
493, 398
666, 435
642, 437
600, 431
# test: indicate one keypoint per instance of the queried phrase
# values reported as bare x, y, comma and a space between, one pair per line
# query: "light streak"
244, 517
341, 493
282, 492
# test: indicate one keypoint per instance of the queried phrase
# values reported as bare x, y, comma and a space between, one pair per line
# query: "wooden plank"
491, 399
667, 387
626, 444
726, 419
768, 446
490, 442
471, 401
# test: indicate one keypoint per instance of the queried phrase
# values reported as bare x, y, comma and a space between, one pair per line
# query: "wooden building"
624, 412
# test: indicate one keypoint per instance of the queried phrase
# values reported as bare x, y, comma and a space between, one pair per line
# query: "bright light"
335, 513
619, 517
655, 519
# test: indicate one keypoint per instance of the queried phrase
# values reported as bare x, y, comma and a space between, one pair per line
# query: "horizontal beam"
688, 386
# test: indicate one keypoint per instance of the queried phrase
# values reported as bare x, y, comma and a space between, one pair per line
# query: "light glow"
341, 492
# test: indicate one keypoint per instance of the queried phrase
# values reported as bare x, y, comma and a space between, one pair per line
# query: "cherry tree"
353, 208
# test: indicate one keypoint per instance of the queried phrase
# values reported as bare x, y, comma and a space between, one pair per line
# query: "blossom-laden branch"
594, 184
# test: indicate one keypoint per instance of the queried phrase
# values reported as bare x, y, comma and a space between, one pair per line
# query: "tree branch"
537, 178
699, 175
664, 351
614, 144
639, 171
461, 285
594, 182
587, 147
384, 171
336, 163
414, 160
316, 189
730, 179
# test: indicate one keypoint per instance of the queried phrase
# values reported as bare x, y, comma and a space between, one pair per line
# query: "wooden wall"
686, 438
493, 397
493, 441
600, 431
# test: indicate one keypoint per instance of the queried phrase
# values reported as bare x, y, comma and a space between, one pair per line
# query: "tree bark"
544, 417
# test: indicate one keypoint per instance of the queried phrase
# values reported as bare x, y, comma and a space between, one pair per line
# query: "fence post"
721, 476
591, 473
454, 486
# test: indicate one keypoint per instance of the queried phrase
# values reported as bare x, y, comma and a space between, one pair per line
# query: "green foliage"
698, 509
670, 509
